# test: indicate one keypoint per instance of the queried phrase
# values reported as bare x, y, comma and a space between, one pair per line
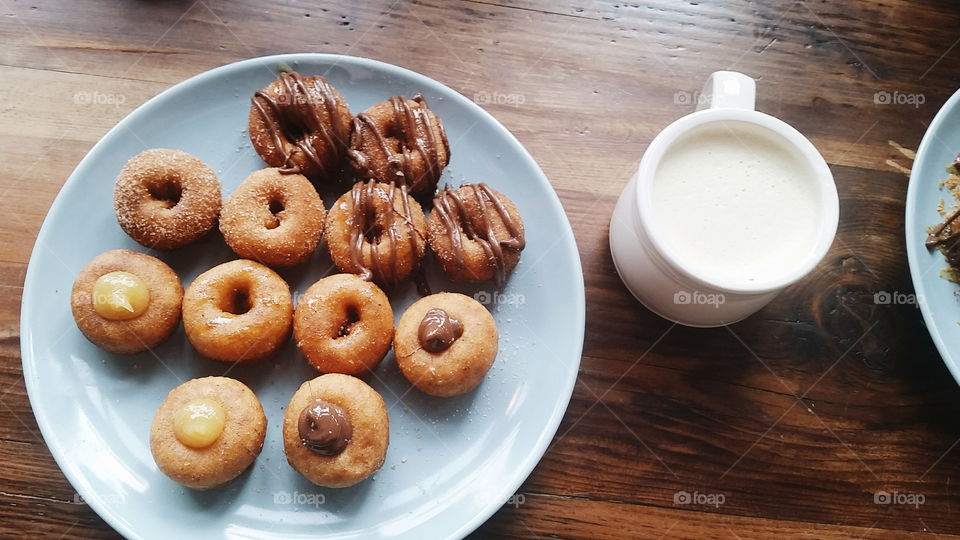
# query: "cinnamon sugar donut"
166, 199
400, 140
476, 233
445, 344
273, 218
343, 324
378, 231
133, 312
237, 311
301, 125
336, 430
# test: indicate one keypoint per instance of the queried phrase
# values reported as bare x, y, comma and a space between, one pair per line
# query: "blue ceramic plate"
935, 295
451, 462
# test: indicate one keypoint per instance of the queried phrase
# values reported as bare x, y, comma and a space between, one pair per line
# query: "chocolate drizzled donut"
300, 125
946, 236
476, 233
402, 141
378, 231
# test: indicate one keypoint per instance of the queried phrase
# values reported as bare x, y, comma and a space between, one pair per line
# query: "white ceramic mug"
648, 265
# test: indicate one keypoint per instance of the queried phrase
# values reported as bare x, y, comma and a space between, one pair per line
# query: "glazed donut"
343, 324
476, 233
400, 140
336, 430
166, 199
275, 219
207, 432
237, 311
301, 125
378, 231
445, 344
125, 301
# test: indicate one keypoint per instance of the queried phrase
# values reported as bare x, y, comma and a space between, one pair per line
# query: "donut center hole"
168, 193
373, 234
353, 317
238, 302
275, 207
373, 231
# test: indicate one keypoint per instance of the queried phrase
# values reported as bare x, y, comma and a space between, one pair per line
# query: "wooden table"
788, 424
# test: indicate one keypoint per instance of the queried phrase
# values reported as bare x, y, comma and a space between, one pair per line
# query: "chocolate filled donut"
336, 430
476, 234
300, 125
402, 141
445, 343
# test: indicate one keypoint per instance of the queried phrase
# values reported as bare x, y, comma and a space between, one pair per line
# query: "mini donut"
400, 140
273, 218
476, 233
157, 318
301, 125
343, 324
354, 448
378, 231
237, 311
187, 420
166, 199
445, 344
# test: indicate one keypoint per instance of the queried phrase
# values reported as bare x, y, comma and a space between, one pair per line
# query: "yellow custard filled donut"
207, 431
335, 430
237, 311
126, 302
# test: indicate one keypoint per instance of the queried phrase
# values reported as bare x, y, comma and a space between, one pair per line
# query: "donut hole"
276, 207
373, 233
237, 302
167, 192
352, 317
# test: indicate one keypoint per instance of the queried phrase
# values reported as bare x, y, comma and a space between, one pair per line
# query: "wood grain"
797, 416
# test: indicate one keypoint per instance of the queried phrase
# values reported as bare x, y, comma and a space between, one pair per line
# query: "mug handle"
728, 90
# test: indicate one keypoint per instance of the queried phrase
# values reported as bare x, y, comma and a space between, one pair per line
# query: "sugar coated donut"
343, 324
273, 218
237, 311
207, 432
445, 343
335, 430
125, 301
402, 141
476, 233
378, 231
301, 125
166, 199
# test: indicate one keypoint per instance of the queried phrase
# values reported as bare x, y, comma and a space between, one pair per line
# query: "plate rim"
910, 231
525, 467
